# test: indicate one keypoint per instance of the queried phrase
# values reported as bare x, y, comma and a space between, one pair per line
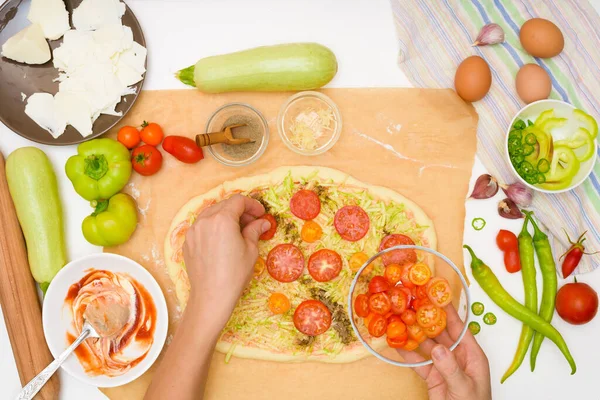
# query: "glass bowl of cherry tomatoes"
406, 299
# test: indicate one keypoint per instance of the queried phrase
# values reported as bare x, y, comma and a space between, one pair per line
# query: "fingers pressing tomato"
151, 133
268, 235
146, 160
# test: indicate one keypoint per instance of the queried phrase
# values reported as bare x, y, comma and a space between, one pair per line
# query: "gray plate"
17, 78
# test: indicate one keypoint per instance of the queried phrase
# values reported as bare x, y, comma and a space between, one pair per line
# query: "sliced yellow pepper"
588, 121
582, 137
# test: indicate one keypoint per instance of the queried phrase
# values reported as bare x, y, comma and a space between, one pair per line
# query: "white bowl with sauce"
58, 320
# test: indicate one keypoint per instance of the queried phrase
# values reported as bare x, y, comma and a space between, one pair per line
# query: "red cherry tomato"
405, 278
439, 292
397, 343
428, 315
577, 303
146, 160
398, 300
377, 325
411, 345
418, 303
361, 305
393, 273
312, 317
268, 235
438, 327
416, 333
129, 136
507, 241
182, 148
378, 284
151, 133
396, 329
419, 274
409, 317
380, 303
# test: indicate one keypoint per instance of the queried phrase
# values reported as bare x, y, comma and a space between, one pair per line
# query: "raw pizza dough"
187, 213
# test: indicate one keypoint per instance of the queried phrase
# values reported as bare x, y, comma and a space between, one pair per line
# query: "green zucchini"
292, 66
33, 188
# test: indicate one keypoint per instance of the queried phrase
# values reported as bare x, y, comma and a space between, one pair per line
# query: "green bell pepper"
100, 169
112, 223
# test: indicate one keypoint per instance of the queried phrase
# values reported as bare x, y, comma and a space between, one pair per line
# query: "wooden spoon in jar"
226, 137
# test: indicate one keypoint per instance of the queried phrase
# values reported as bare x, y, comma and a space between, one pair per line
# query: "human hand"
462, 374
220, 250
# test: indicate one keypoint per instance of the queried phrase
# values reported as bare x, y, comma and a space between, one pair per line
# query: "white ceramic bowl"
57, 322
561, 110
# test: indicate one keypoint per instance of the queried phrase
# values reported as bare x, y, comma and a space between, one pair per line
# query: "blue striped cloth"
436, 35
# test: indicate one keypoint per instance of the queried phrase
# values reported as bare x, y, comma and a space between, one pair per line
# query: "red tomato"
324, 265
411, 345
438, 327
377, 326
379, 303
418, 303
507, 241
397, 343
378, 284
268, 235
351, 222
393, 273
401, 257
419, 274
393, 317
312, 317
428, 315
151, 133
409, 295
361, 305
369, 318
577, 303
182, 148
416, 333
396, 329
398, 300
285, 263
421, 292
439, 292
512, 261
305, 204
146, 160
405, 278
409, 317
129, 136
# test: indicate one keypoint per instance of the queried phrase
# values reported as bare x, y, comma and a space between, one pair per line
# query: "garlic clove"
486, 186
519, 193
508, 209
489, 34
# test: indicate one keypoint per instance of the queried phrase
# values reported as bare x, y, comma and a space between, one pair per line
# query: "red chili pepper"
573, 255
509, 244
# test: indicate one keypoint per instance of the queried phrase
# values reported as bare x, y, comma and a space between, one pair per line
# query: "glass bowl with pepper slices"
551, 146
406, 299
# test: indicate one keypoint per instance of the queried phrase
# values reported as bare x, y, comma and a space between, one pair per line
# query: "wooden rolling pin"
19, 299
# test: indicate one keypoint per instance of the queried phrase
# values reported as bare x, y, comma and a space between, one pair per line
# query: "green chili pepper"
529, 122
474, 327
529, 283
490, 318
530, 139
517, 160
527, 167
477, 308
543, 166
548, 268
540, 178
490, 284
528, 149
519, 124
516, 134
478, 223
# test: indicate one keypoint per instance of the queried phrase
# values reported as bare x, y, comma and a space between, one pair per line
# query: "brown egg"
533, 83
473, 79
541, 38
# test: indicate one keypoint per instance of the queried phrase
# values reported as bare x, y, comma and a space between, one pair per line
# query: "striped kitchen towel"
436, 35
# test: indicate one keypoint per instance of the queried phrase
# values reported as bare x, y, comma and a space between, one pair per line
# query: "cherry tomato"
402, 257
146, 160
405, 278
416, 333
380, 303
305, 204
377, 326
396, 329
378, 284
361, 305
428, 315
421, 292
418, 303
512, 261
151, 133
129, 136
393, 273
311, 232
388, 315
409, 295
312, 317
357, 260
507, 241
409, 317
411, 345
439, 292
279, 303
577, 303
438, 327
367, 320
419, 274
394, 317
268, 235
398, 300
183, 148
397, 343
259, 267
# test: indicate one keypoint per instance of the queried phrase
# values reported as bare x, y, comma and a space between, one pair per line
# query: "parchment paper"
419, 142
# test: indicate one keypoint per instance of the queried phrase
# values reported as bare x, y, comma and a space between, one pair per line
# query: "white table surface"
362, 35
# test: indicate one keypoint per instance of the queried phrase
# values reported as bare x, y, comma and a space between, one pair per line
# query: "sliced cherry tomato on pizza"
439, 292
324, 265
368, 318
305, 204
428, 315
279, 303
311, 232
259, 267
379, 303
312, 317
411, 345
397, 343
405, 278
396, 329
398, 300
393, 317
352, 223
361, 305
418, 303
377, 326
268, 235
409, 317
378, 284
440, 325
285, 262
401, 257
393, 273
416, 333
419, 274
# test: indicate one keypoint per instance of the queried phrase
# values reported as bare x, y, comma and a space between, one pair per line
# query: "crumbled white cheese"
94, 14
75, 111
52, 16
42, 109
27, 46
23, 97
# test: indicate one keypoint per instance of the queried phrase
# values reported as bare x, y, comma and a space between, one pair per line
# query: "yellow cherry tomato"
279, 303
259, 267
311, 232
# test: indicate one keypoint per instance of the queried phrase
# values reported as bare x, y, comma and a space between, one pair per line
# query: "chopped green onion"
474, 327
543, 166
478, 223
489, 319
477, 308
519, 124
528, 149
530, 139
